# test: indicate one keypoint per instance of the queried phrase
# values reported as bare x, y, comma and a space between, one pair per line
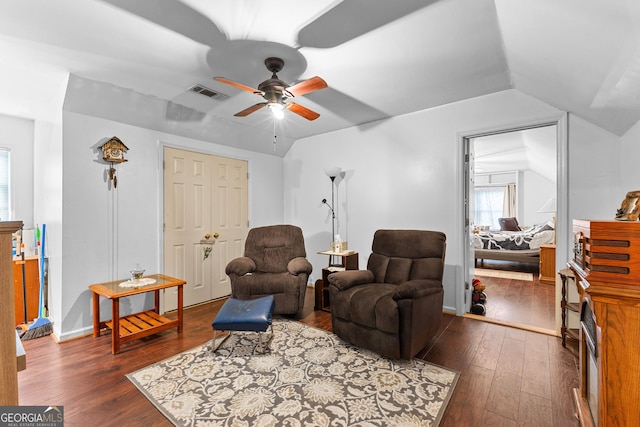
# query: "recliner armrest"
299, 265
240, 266
417, 289
348, 278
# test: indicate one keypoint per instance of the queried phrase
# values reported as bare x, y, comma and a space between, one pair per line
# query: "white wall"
48, 191
629, 170
597, 182
406, 172
106, 232
535, 190
17, 134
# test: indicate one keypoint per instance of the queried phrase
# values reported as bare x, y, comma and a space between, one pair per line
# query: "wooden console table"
139, 325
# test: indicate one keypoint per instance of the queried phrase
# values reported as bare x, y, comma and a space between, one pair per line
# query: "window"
489, 205
5, 184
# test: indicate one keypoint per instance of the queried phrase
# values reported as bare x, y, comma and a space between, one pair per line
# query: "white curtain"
489, 205
509, 206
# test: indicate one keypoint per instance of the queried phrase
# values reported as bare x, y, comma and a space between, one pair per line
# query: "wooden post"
8, 356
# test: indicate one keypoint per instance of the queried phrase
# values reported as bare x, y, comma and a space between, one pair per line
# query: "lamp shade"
332, 171
549, 206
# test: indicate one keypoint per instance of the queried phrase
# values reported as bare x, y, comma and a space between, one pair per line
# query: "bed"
515, 246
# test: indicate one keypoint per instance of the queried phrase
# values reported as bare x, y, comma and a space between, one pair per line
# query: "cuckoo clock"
113, 151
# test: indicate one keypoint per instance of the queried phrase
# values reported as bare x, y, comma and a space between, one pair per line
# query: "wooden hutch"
10, 358
606, 265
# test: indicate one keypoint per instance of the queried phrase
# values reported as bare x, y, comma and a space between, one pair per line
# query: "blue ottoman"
244, 315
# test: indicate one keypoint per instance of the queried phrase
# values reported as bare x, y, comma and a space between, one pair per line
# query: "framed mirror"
630, 207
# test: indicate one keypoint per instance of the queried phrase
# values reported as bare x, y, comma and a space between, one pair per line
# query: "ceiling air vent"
210, 93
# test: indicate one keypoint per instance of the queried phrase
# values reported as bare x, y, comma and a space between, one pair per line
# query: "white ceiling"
379, 58
528, 149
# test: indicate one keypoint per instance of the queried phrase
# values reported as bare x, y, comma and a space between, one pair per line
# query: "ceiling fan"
277, 93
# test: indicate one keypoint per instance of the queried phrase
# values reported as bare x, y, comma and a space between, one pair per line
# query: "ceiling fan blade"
307, 86
238, 85
250, 110
302, 111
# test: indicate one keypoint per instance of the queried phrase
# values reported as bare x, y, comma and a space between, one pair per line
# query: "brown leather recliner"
395, 306
274, 263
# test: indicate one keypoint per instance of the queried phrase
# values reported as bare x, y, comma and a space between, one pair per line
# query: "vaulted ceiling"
379, 58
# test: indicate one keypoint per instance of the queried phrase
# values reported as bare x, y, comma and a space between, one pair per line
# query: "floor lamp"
332, 173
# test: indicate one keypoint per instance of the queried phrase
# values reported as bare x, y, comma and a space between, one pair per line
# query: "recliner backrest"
272, 247
402, 255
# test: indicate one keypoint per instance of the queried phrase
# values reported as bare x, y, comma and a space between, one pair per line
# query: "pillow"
509, 224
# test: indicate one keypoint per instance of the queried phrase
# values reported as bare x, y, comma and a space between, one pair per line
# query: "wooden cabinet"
8, 354
548, 263
606, 264
32, 283
349, 261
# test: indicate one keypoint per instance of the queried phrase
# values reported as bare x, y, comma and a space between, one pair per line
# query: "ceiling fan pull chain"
274, 134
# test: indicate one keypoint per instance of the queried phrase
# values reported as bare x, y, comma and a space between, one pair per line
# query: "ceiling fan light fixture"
276, 92
276, 110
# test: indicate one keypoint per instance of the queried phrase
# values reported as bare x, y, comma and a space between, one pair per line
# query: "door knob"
216, 235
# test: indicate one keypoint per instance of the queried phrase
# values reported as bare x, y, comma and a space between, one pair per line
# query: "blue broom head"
39, 328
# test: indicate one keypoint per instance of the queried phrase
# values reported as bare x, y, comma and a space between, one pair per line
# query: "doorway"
525, 163
205, 222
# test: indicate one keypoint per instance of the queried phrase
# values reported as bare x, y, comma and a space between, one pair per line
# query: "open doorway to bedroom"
512, 208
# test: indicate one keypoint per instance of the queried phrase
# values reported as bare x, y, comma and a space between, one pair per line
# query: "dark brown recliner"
395, 306
274, 263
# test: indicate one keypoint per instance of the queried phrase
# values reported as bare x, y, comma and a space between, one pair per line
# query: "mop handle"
41, 259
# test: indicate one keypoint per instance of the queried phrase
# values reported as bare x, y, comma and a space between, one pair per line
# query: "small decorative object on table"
630, 207
137, 272
339, 245
137, 281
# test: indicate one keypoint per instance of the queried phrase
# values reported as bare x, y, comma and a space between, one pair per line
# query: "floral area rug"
306, 376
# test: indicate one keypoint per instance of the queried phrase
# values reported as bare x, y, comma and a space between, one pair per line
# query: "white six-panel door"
204, 195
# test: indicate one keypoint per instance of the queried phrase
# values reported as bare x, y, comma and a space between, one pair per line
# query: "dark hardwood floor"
508, 376
529, 303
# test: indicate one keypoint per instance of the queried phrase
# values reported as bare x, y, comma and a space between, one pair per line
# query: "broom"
41, 326
21, 328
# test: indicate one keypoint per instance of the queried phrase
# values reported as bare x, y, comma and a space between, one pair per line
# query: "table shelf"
147, 323
567, 275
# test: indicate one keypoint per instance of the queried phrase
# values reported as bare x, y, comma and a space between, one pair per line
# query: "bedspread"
529, 239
